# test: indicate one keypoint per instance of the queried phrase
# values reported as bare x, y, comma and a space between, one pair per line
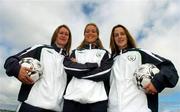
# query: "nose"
119, 35
64, 35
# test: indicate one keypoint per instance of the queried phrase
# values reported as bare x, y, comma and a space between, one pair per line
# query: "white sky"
23, 23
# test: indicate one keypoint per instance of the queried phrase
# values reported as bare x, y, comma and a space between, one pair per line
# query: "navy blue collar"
90, 46
121, 51
59, 50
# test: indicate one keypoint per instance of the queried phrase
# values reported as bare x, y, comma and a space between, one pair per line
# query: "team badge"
98, 54
49, 51
131, 57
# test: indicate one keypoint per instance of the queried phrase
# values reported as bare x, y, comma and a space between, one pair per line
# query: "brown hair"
98, 41
54, 36
131, 42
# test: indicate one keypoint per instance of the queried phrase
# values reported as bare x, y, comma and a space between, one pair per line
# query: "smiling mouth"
90, 37
62, 39
121, 41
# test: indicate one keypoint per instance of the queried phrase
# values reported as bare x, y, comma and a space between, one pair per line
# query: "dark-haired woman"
124, 95
46, 94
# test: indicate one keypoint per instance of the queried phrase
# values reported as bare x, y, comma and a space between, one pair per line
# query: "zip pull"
121, 51
60, 52
90, 46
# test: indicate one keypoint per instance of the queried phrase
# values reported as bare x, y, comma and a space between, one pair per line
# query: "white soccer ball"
143, 75
36, 66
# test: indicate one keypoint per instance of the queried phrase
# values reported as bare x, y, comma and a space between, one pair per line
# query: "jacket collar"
90, 46
121, 51
59, 50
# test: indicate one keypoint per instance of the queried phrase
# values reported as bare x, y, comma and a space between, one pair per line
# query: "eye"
64, 33
87, 31
61, 33
93, 31
122, 33
67, 34
116, 34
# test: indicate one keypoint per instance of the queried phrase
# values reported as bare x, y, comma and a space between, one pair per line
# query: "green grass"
6, 111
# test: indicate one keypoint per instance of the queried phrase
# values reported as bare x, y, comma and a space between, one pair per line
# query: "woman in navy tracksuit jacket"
124, 95
88, 70
46, 94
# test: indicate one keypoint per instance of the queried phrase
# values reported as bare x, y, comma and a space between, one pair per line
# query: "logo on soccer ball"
98, 54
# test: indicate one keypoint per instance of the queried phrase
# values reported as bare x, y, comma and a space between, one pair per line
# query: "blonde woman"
88, 70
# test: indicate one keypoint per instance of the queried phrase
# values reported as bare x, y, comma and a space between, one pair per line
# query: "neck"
91, 45
123, 47
59, 46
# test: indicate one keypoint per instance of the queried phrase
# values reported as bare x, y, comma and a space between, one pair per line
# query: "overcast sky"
154, 24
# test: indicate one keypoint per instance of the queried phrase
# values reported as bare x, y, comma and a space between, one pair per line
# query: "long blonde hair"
131, 42
98, 41
54, 36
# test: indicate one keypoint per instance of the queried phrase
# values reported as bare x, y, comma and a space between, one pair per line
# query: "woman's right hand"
74, 60
23, 75
150, 88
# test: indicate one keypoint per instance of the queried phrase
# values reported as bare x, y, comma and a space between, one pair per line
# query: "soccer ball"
143, 75
36, 66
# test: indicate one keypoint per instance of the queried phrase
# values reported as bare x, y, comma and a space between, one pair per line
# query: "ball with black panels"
144, 74
37, 69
